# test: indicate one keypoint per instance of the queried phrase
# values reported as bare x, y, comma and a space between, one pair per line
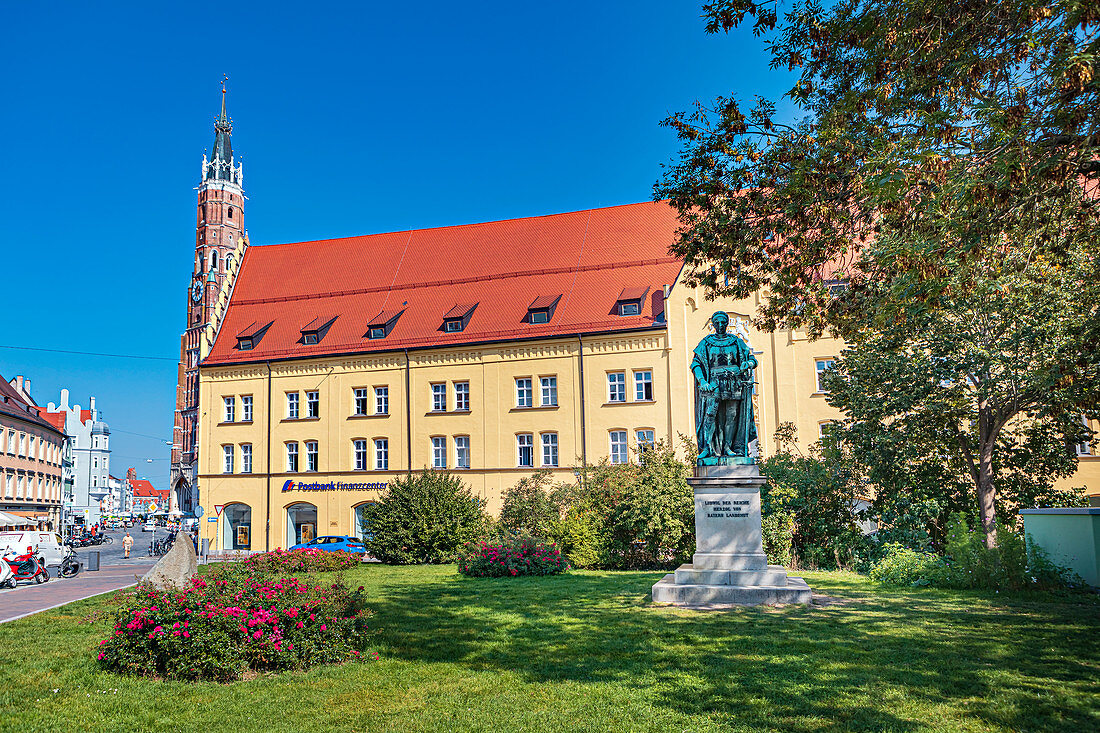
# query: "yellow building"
490, 350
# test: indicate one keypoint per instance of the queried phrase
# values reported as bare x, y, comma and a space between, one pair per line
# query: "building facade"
219, 245
89, 452
31, 452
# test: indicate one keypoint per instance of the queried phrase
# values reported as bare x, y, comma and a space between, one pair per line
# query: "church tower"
220, 240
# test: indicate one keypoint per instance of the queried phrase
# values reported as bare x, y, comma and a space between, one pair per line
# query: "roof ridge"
455, 226
463, 280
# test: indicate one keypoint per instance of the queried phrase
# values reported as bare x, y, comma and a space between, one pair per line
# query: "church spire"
222, 166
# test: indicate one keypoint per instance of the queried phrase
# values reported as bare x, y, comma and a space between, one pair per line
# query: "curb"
71, 600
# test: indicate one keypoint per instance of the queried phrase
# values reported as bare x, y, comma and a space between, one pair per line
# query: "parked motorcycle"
25, 567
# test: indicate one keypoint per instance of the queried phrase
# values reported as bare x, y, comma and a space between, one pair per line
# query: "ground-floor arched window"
301, 523
359, 525
237, 527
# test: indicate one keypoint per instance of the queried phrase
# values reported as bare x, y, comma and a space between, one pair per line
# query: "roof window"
380, 326
542, 309
629, 302
315, 330
457, 318
250, 336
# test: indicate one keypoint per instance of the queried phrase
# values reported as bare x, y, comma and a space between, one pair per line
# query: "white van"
47, 545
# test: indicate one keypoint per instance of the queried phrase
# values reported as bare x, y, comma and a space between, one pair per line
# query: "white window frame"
645, 437
616, 387
292, 406
643, 382
227, 459
462, 451
439, 396
313, 458
619, 450
230, 413
381, 454
820, 367
1084, 449
361, 400
359, 454
524, 393
439, 451
549, 443
548, 389
382, 400
462, 396
291, 456
246, 458
246, 408
313, 404
525, 441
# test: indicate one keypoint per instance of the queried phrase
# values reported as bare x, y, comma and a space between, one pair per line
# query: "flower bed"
511, 558
230, 622
305, 560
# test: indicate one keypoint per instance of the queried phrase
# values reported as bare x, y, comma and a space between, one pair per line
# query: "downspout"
584, 437
267, 494
408, 417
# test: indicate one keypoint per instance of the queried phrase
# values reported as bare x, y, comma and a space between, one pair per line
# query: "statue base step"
791, 591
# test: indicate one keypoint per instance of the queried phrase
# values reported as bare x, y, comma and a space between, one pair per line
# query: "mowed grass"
587, 651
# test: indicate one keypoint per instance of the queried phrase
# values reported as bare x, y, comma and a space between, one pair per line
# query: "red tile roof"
144, 489
57, 419
13, 405
587, 256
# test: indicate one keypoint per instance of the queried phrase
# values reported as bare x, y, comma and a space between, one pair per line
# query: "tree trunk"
987, 491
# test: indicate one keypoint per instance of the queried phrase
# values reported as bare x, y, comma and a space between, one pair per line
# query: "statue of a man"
723, 368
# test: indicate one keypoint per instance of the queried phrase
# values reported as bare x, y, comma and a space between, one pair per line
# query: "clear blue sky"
351, 118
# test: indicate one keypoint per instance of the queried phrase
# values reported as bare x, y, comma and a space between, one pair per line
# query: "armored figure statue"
723, 368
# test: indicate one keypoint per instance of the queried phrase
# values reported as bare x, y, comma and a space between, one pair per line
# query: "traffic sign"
152, 507
211, 519
198, 512
218, 509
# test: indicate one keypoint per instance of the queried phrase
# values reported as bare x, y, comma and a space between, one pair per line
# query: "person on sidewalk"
127, 543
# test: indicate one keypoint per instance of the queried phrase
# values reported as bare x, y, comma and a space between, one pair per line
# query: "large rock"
175, 569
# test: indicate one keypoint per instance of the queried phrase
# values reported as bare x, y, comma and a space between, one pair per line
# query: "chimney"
91, 408
131, 474
27, 388
18, 382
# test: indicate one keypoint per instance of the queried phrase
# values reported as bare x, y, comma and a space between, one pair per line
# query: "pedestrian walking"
127, 543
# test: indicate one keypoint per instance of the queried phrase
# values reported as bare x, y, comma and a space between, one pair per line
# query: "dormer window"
315, 330
249, 337
380, 326
629, 302
457, 318
542, 309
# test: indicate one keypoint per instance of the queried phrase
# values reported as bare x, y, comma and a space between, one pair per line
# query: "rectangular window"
618, 446
292, 405
462, 396
439, 452
439, 397
549, 391
616, 387
524, 450
1084, 449
311, 456
643, 386
292, 457
629, 308
462, 451
313, 404
645, 439
361, 401
381, 400
382, 454
246, 458
246, 407
359, 451
549, 449
230, 409
523, 392
227, 451
540, 316
820, 367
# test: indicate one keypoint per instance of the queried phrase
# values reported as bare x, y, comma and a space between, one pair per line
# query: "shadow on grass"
880, 664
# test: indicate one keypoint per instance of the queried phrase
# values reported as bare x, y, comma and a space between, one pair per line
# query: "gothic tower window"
230, 212
214, 261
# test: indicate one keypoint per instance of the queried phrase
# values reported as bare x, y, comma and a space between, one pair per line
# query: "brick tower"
220, 240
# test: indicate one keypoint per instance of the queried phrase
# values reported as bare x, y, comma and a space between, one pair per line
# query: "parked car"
149, 527
333, 543
48, 544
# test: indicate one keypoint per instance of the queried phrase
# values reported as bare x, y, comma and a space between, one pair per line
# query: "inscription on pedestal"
726, 508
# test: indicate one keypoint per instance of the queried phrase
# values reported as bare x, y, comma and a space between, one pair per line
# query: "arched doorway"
360, 527
237, 527
301, 523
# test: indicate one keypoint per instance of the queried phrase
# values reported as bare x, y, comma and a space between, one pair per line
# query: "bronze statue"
723, 368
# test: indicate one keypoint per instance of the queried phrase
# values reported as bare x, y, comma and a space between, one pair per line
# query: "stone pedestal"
729, 565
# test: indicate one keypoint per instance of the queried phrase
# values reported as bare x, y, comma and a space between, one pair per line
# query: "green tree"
530, 506
942, 168
424, 517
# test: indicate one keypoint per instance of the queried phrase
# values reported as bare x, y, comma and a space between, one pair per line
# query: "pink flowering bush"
305, 560
511, 557
229, 622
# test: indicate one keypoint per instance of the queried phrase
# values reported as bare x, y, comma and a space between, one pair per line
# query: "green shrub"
510, 558
228, 623
579, 534
425, 518
778, 536
902, 566
304, 560
529, 506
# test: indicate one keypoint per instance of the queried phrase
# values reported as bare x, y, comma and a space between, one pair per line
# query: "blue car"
333, 543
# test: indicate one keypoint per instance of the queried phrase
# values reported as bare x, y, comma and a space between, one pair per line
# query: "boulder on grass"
175, 569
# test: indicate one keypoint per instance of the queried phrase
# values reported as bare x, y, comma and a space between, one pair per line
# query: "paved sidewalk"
29, 599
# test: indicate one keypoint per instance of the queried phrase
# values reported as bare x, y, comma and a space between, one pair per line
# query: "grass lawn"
587, 651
